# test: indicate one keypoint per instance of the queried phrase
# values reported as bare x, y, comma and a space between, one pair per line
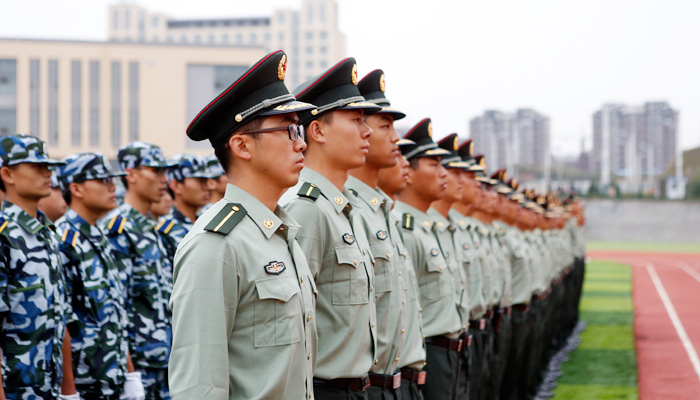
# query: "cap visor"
434, 152
369, 108
47, 161
394, 112
289, 107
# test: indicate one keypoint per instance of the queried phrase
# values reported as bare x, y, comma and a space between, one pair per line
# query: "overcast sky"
451, 60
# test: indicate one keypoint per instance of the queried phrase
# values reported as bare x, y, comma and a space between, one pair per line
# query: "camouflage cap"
20, 148
54, 178
187, 166
141, 154
83, 167
214, 168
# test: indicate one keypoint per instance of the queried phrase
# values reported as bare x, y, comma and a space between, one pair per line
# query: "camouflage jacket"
33, 306
148, 275
97, 295
176, 225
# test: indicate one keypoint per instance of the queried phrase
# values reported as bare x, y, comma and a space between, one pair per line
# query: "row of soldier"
331, 260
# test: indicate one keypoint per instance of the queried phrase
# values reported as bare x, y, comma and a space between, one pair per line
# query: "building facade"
516, 141
633, 145
96, 96
310, 36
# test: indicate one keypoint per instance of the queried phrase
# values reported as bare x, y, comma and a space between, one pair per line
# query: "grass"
604, 366
644, 247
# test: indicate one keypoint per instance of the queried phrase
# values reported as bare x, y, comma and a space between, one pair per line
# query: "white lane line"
687, 344
692, 272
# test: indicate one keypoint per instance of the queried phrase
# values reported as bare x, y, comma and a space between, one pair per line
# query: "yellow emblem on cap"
471, 148
482, 162
354, 74
314, 111
382, 83
504, 177
430, 129
455, 144
282, 68
239, 118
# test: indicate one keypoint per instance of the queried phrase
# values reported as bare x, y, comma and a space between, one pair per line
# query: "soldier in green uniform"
34, 308
384, 239
102, 365
146, 256
244, 325
442, 323
332, 234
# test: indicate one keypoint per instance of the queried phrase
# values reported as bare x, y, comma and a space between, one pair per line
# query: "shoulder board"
407, 221
353, 191
69, 236
116, 224
165, 225
3, 224
227, 219
309, 190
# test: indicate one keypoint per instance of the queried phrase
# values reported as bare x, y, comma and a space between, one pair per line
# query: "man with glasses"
100, 349
244, 325
146, 255
34, 307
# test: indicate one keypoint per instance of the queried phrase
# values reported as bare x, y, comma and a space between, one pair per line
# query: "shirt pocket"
383, 267
278, 314
350, 280
439, 279
96, 298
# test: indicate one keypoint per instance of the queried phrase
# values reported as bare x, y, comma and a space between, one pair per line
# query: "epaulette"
165, 225
407, 221
353, 191
224, 222
69, 236
309, 190
3, 224
116, 224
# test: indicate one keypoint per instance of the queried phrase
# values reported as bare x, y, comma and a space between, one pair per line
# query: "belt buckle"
482, 324
459, 345
469, 340
365, 382
397, 380
421, 377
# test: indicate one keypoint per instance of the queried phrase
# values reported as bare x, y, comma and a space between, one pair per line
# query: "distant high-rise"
309, 36
632, 145
513, 140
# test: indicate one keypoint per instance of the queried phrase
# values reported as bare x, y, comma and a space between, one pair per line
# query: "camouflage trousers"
155, 382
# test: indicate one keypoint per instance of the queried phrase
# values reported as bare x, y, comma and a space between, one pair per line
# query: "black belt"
522, 307
444, 341
385, 381
477, 324
488, 314
344, 383
412, 375
505, 310
466, 340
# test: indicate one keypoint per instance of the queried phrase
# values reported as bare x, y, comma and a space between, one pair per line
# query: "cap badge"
430, 129
239, 118
455, 145
268, 223
354, 74
382, 235
282, 68
348, 238
275, 267
382, 83
471, 148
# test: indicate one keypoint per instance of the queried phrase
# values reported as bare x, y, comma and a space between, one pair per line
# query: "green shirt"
470, 262
335, 244
243, 307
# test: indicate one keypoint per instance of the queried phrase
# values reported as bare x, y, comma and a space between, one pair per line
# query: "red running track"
666, 291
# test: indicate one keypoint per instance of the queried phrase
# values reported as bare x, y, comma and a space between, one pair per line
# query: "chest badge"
348, 238
382, 235
434, 252
275, 267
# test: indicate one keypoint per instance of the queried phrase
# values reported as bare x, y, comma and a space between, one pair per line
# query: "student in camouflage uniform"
187, 181
100, 345
216, 184
34, 309
146, 255
53, 206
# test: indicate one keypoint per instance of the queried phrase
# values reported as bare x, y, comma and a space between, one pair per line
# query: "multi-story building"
96, 96
310, 36
633, 145
513, 140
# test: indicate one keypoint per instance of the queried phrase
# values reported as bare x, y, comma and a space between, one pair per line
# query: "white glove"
74, 396
133, 387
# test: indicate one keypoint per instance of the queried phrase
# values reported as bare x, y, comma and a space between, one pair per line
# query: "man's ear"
315, 132
411, 171
6, 175
131, 175
173, 185
240, 146
76, 191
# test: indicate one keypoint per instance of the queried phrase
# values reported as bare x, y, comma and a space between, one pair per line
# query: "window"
76, 102
323, 65
170, 39
212, 39
34, 96
133, 101
253, 38
94, 103
310, 14
183, 39
239, 38
115, 19
323, 35
309, 50
53, 102
280, 18
309, 36
322, 13
197, 38
266, 38
8, 97
323, 49
280, 37
309, 65
116, 103
126, 19
224, 38
155, 21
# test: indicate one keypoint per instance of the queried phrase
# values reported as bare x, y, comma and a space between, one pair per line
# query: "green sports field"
604, 366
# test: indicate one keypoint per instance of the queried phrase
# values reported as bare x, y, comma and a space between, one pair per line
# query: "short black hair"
223, 153
124, 182
67, 195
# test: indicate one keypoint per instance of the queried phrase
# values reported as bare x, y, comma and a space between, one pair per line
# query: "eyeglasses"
295, 131
107, 181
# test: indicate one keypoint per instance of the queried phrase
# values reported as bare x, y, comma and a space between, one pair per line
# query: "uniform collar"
142, 222
441, 223
179, 217
457, 219
372, 198
267, 221
422, 219
78, 222
338, 199
26, 221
